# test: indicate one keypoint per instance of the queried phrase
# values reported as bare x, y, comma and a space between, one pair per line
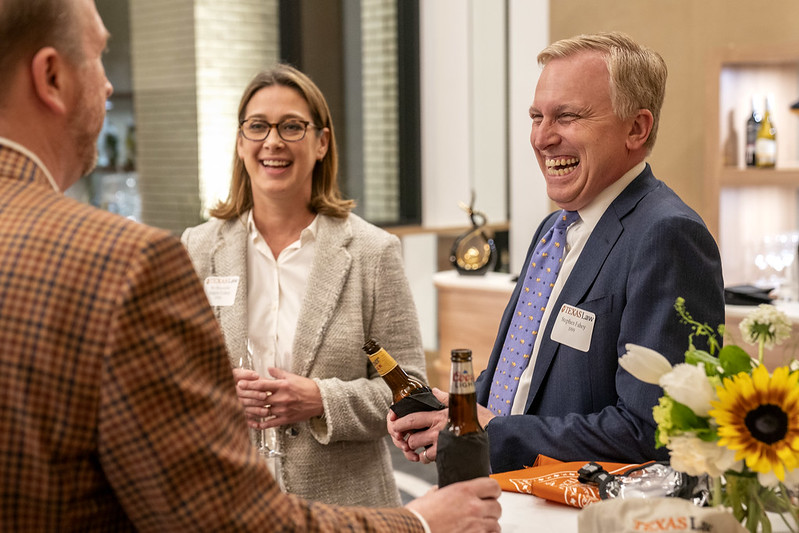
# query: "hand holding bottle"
419, 430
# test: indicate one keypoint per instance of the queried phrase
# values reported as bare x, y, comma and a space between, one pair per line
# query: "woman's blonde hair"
637, 74
326, 196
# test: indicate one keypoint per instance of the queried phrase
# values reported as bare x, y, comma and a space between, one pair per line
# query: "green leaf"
701, 357
708, 435
734, 360
685, 419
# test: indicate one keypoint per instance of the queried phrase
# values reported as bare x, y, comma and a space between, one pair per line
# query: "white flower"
792, 478
766, 323
695, 457
769, 479
689, 385
794, 366
645, 364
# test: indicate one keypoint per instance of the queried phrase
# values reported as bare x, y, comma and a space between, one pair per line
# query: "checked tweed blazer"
356, 289
117, 405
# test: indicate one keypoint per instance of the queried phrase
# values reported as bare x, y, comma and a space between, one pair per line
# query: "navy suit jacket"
647, 249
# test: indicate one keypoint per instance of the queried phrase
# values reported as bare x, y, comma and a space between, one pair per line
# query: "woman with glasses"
288, 266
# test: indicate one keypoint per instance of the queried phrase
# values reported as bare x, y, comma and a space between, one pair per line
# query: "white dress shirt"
576, 236
276, 287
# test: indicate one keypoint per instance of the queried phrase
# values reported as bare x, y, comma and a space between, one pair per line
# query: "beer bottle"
463, 448
398, 380
462, 396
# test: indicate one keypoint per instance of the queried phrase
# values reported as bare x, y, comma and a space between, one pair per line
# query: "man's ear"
640, 129
49, 78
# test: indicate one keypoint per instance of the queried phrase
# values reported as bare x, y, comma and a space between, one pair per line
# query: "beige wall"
685, 32
190, 63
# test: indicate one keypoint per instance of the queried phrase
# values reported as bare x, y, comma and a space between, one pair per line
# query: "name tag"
574, 327
221, 290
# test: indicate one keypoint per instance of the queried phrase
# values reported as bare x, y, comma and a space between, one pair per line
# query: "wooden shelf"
756, 177
749, 204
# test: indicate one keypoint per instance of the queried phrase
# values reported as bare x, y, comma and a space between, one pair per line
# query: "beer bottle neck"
462, 399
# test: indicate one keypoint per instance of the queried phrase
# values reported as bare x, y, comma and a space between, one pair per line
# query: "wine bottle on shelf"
401, 383
463, 444
752, 127
766, 143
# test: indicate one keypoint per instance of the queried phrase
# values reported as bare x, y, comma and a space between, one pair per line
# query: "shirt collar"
591, 213
33, 157
307, 235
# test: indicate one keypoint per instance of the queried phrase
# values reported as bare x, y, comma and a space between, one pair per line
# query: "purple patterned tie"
540, 278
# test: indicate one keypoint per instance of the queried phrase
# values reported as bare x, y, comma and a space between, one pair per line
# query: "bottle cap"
461, 354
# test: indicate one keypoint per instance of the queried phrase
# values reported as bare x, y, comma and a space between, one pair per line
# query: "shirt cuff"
422, 520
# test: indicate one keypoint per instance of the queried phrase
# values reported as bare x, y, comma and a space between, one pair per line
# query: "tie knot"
566, 219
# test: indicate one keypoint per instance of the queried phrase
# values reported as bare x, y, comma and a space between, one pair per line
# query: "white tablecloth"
525, 513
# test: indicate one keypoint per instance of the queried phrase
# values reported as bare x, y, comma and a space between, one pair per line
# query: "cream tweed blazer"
357, 289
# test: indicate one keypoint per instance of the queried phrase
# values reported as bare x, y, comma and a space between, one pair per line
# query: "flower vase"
756, 507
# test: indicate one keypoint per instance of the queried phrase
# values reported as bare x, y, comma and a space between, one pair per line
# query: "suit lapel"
331, 267
599, 244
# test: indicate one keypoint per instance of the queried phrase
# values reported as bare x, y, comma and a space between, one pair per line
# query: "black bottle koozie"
423, 401
462, 458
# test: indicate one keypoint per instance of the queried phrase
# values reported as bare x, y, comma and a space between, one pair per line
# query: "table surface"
490, 281
525, 513
791, 309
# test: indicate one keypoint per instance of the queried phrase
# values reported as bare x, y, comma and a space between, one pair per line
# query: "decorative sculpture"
473, 253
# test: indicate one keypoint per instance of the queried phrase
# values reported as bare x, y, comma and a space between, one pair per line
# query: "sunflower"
758, 417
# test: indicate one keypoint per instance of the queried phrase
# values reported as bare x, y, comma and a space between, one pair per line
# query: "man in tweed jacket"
117, 404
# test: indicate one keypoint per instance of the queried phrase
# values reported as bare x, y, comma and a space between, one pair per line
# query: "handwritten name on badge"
574, 327
221, 290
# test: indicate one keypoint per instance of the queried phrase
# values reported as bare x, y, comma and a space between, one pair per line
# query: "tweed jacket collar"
329, 271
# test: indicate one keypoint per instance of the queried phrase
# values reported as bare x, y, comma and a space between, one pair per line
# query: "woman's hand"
286, 399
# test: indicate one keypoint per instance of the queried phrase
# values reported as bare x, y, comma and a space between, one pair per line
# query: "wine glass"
265, 440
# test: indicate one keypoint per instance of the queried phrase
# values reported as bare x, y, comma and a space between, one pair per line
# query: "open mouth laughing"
561, 165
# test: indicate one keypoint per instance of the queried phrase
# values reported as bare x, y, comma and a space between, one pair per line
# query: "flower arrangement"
723, 414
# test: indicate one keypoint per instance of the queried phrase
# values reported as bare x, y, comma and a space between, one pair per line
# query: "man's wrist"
421, 519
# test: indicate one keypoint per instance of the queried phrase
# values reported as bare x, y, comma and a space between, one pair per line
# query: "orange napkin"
556, 481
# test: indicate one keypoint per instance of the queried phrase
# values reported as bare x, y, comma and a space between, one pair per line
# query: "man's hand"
484, 416
461, 507
419, 430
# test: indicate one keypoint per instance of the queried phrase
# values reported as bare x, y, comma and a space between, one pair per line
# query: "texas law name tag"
574, 327
221, 290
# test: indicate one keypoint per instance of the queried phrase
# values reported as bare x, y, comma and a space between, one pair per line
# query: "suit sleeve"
171, 435
675, 257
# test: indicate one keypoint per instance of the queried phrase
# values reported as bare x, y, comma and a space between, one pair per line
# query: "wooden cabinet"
752, 204
469, 312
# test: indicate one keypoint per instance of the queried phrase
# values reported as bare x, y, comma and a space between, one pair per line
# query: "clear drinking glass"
265, 440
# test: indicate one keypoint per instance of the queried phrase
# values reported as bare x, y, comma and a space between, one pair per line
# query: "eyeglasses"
291, 130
